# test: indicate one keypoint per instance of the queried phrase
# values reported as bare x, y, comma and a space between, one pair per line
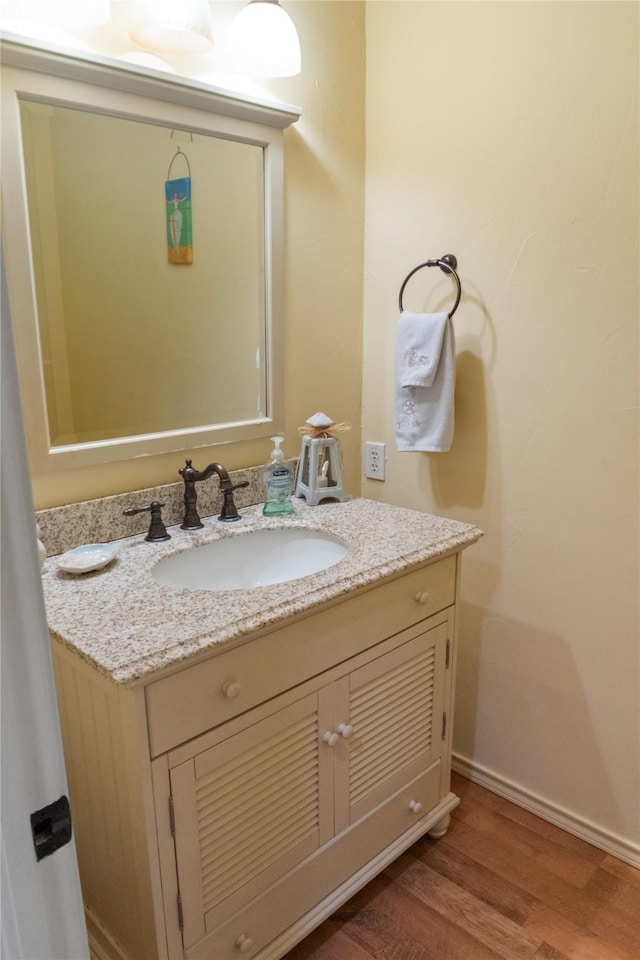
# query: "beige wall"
323, 255
507, 133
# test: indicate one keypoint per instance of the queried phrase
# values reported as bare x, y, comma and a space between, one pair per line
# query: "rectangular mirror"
142, 233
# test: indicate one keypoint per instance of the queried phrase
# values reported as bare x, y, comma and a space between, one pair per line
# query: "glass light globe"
263, 40
171, 26
140, 58
69, 13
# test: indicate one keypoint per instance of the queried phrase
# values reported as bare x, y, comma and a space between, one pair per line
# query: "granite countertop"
128, 626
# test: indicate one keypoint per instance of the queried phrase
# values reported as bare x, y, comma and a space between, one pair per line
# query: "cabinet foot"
440, 828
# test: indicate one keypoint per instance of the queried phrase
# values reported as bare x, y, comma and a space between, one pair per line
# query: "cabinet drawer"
213, 691
321, 875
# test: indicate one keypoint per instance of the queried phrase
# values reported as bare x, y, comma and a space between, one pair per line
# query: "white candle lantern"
320, 467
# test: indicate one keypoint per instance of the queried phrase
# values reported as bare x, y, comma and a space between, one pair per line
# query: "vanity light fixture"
263, 40
69, 13
171, 26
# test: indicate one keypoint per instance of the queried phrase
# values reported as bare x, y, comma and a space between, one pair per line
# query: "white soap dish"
91, 556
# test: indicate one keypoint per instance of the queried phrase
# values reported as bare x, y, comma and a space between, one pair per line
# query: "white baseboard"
612, 843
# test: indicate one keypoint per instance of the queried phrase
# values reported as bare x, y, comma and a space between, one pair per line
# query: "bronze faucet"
190, 476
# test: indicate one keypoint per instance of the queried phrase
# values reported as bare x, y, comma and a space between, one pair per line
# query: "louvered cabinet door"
394, 707
249, 809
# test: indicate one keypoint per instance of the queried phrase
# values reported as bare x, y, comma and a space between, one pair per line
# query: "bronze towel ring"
448, 264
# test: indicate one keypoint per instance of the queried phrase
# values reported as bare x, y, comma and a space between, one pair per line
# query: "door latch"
51, 827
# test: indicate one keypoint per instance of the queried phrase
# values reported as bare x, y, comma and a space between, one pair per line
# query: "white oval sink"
248, 560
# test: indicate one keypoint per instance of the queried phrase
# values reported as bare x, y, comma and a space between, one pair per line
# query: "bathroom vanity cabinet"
227, 805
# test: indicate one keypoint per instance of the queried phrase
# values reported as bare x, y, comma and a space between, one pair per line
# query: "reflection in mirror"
132, 343
142, 235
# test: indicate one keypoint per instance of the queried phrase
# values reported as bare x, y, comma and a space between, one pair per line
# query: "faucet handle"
157, 530
240, 486
229, 510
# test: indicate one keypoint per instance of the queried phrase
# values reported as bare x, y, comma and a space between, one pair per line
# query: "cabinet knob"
331, 738
415, 806
422, 597
345, 730
244, 944
231, 689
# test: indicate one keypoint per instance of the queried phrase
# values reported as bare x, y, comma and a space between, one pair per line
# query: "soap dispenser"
278, 484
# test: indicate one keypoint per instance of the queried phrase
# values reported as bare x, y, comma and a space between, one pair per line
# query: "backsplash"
101, 521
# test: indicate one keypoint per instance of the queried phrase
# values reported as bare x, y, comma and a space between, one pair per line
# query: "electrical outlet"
374, 455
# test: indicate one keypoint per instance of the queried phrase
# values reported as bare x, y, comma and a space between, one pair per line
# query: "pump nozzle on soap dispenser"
277, 453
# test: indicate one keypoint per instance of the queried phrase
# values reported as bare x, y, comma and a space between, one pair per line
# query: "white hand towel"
420, 339
424, 415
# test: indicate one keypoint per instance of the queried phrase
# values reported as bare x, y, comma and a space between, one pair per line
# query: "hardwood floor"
501, 883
